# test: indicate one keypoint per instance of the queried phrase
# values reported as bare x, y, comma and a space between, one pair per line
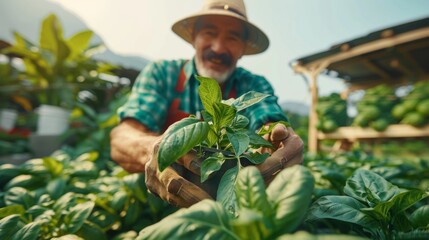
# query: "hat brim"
257, 41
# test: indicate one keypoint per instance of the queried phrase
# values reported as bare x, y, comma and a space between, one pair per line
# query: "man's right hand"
170, 186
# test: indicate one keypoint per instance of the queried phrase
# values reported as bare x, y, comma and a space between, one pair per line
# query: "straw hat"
257, 40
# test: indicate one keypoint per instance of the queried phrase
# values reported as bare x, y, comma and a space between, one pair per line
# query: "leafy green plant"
222, 129
262, 213
375, 205
60, 196
57, 68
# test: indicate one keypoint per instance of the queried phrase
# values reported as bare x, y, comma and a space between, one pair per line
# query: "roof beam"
371, 47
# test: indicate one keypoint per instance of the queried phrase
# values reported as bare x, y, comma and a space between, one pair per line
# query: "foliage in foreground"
59, 196
262, 213
373, 206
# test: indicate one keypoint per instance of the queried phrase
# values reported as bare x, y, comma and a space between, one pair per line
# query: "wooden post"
313, 141
312, 121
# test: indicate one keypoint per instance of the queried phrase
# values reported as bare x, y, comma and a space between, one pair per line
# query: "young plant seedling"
223, 130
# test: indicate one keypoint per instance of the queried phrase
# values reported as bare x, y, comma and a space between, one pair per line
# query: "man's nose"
218, 46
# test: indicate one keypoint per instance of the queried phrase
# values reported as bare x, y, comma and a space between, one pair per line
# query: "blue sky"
296, 28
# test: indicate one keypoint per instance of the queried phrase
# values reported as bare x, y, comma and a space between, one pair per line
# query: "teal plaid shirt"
154, 90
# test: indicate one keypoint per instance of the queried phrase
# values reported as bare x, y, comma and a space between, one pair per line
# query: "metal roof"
398, 53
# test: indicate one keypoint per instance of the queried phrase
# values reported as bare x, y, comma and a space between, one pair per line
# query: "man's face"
219, 43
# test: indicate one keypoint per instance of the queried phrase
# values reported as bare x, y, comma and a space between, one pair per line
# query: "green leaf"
211, 136
248, 99
301, 235
369, 187
12, 209
250, 190
181, 124
240, 121
226, 191
79, 42
90, 230
99, 218
84, 169
177, 143
132, 213
53, 165
250, 225
71, 237
51, 39
223, 115
136, 185
119, 199
210, 165
204, 220
28, 232
239, 141
10, 225
56, 187
25, 181
342, 208
8, 172
394, 208
87, 110
405, 200
49, 31
22, 42
76, 217
206, 116
19, 196
270, 128
290, 194
420, 217
210, 93
257, 141
256, 157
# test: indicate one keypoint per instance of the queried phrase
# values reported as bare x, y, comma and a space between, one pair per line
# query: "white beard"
220, 77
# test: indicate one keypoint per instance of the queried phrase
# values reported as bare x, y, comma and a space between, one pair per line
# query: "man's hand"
131, 145
170, 186
288, 151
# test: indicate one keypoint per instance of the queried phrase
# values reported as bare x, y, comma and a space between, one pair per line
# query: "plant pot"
8, 119
44, 145
52, 120
212, 183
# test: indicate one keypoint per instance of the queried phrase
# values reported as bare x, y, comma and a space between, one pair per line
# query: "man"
166, 91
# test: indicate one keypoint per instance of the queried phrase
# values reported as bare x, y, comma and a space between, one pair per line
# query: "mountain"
26, 16
295, 107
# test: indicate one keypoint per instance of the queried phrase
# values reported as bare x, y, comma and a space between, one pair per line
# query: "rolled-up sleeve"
147, 102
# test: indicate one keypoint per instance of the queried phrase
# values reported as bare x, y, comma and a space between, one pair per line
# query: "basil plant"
223, 130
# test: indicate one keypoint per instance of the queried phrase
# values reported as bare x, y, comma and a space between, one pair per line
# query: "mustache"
224, 58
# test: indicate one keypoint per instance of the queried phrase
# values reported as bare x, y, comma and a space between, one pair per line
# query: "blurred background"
135, 32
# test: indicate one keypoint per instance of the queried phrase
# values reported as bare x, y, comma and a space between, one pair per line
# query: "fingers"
192, 162
171, 187
278, 135
289, 153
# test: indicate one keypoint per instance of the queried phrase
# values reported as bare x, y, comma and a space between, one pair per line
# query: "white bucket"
7, 119
52, 120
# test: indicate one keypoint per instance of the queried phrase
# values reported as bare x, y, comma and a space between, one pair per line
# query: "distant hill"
295, 107
25, 17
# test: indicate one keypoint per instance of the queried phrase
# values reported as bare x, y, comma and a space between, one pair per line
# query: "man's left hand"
287, 151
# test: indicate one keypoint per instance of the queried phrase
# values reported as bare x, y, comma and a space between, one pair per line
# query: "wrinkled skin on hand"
287, 151
170, 186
